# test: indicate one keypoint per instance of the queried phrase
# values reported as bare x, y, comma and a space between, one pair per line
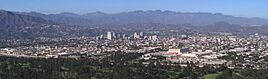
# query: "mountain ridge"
150, 16
22, 25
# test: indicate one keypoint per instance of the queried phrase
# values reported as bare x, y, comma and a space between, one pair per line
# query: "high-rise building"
101, 36
113, 35
136, 35
109, 35
154, 38
123, 36
141, 34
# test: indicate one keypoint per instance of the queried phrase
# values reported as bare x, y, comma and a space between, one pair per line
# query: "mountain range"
151, 16
34, 24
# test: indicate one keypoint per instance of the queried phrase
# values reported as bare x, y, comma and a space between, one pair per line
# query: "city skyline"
133, 39
245, 8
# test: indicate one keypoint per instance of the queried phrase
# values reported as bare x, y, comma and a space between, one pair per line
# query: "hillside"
14, 25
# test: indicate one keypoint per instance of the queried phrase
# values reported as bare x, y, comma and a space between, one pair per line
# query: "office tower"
136, 35
109, 35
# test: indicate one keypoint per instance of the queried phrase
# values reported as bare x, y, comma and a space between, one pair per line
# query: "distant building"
141, 34
154, 38
184, 36
173, 51
189, 55
123, 36
114, 36
109, 35
101, 36
136, 35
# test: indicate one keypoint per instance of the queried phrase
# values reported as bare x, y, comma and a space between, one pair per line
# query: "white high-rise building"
141, 34
109, 35
136, 35
154, 38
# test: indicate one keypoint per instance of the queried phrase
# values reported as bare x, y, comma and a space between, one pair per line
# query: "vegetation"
211, 76
113, 66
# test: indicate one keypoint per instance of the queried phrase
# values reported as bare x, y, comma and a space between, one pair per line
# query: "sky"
242, 8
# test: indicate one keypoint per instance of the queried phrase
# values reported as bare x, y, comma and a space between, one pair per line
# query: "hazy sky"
245, 8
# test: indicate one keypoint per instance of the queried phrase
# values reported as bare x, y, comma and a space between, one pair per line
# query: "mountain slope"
14, 25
